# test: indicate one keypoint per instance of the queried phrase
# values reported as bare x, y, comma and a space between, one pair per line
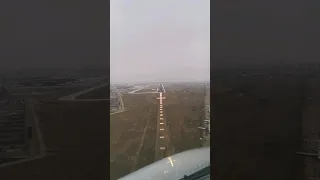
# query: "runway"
162, 130
143, 88
134, 92
72, 97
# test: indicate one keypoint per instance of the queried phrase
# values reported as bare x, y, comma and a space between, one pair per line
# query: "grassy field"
311, 127
184, 109
254, 138
132, 134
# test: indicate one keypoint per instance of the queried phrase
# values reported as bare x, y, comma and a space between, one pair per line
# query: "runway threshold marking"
162, 148
161, 123
161, 129
161, 137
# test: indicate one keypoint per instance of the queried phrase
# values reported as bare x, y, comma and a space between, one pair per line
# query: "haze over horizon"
159, 40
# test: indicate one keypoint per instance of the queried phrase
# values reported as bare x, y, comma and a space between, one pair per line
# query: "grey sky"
159, 40
53, 34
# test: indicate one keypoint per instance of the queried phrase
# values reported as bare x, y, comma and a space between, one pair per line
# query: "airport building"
114, 103
113, 94
12, 130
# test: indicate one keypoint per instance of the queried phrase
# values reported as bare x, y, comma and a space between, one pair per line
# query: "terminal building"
114, 99
114, 102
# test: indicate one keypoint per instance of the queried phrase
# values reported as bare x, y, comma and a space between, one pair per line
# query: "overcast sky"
58, 33
159, 40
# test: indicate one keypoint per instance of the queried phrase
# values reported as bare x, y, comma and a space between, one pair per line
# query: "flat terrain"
184, 107
133, 132
76, 132
100, 93
311, 127
127, 130
256, 129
